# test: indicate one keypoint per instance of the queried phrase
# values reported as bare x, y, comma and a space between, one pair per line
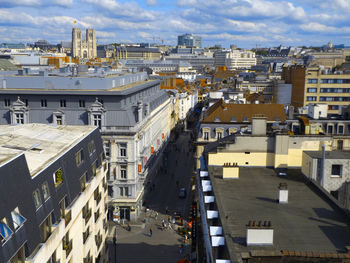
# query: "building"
189, 40
234, 59
330, 171
254, 215
137, 53
54, 193
84, 48
133, 114
316, 85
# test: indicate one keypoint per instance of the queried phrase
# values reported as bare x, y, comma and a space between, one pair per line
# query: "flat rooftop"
309, 222
329, 154
40, 143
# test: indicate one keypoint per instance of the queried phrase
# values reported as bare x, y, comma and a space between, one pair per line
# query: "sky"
245, 23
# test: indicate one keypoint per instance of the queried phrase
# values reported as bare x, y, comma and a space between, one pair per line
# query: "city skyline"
244, 23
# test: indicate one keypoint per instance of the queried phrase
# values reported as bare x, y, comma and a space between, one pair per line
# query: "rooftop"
230, 112
40, 143
329, 154
308, 222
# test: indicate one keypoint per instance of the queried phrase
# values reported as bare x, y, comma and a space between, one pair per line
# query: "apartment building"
54, 194
133, 114
234, 59
317, 85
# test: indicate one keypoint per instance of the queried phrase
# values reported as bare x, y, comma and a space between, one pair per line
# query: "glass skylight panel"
17, 219
5, 231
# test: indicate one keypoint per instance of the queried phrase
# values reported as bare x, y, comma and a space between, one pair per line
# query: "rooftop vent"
259, 233
283, 193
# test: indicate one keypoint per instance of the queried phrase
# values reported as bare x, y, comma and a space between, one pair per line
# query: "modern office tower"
189, 40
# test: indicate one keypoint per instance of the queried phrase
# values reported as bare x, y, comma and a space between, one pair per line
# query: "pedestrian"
166, 210
150, 232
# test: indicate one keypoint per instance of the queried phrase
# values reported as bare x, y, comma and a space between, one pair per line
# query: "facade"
314, 85
54, 193
330, 171
136, 53
133, 114
189, 40
234, 59
84, 48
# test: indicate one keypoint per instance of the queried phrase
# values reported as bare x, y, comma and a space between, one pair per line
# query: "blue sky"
246, 23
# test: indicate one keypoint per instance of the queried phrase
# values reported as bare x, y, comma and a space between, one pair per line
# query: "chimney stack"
283, 193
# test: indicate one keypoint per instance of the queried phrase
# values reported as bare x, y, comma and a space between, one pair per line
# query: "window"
311, 98
79, 158
17, 218
340, 145
93, 168
340, 129
37, 199
330, 129
58, 177
5, 231
91, 147
336, 169
7, 102
97, 120
19, 118
83, 182
59, 119
81, 103
45, 189
219, 135
43, 103
45, 229
124, 191
206, 136
312, 81
106, 148
123, 171
122, 149
62, 103
312, 90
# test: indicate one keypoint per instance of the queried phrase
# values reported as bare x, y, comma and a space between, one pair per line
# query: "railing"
68, 217
86, 234
68, 247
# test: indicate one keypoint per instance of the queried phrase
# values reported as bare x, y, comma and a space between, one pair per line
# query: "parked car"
182, 193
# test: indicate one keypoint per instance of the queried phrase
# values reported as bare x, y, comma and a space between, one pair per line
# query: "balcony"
88, 259
98, 240
86, 235
68, 247
87, 215
68, 217
97, 198
97, 215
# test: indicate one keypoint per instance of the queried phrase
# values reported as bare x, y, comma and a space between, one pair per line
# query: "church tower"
91, 43
76, 42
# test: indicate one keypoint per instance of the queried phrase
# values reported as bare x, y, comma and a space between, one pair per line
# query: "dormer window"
19, 112
58, 117
97, 114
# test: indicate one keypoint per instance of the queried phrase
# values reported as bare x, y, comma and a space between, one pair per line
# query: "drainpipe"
323, 164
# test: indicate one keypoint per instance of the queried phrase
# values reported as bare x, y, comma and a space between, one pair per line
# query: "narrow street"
162, 194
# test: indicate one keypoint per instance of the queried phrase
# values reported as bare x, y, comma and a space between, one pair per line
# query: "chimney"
259, 233
290, 112
258, 125
230, 171
139, 111
283, 193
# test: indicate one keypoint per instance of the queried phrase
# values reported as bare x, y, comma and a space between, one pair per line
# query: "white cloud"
151, 2
64, 3
21, 2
